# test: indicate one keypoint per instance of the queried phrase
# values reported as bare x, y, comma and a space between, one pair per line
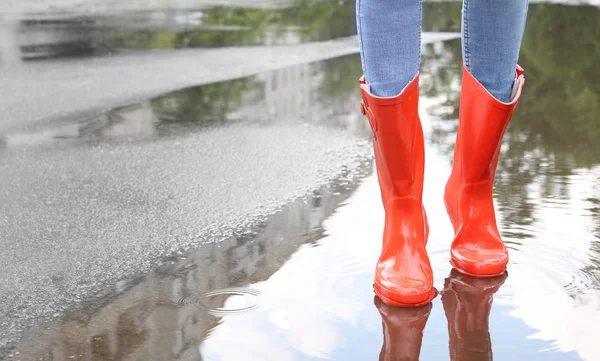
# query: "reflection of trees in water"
338, 95
340, 80
440, 72
561, 50
556, 125
324, 93
203, 105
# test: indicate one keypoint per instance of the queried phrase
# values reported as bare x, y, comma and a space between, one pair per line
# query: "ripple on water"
225, 301
545, 267
551, 269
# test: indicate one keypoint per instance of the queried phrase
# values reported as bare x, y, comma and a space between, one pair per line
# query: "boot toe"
404, 291
479, 261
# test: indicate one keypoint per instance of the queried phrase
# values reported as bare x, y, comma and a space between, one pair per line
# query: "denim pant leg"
389, 33
492, 31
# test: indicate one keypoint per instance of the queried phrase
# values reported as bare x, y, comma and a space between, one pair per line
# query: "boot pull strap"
363, 108
520, 70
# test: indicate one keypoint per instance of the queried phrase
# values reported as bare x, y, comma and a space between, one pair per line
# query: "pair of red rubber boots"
403, 276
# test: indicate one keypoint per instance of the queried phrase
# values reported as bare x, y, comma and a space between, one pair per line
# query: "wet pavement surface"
241, 219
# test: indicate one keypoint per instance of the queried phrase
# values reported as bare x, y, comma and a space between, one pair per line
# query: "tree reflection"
340, 79
562, 104
323, 93
203, 105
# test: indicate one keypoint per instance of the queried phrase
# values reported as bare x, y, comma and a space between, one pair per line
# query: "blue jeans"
389, 33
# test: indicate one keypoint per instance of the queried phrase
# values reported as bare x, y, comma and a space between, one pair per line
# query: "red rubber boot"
477, 249
403, 276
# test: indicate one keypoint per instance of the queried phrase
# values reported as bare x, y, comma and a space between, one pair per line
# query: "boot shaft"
483, 121
397, 139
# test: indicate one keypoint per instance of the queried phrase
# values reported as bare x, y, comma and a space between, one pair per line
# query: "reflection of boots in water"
467, 302
402, 331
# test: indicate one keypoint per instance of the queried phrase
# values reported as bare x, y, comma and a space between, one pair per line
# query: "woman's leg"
492, 32
389, 34
390, 46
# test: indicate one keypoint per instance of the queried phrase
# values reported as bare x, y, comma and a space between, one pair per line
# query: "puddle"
298, 286
320, 93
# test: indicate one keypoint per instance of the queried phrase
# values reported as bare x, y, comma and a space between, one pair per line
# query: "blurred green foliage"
203, 105
310, 20
560, 109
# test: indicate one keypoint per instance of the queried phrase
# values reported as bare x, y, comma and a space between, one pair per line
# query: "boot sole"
426, 299
487, 275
